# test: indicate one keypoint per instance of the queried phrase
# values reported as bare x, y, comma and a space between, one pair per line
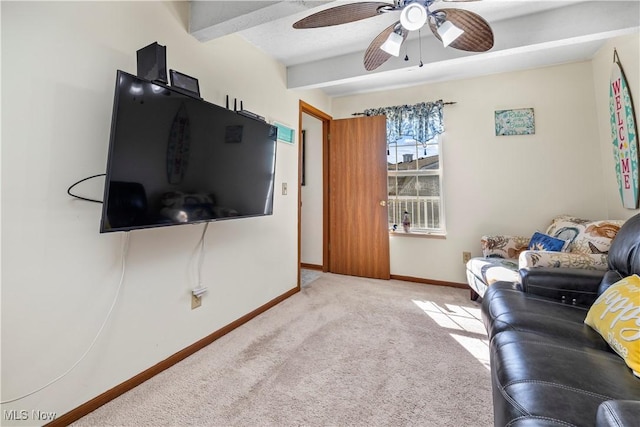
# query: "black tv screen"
176, 159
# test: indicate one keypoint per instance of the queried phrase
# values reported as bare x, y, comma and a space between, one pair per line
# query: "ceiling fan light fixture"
392, 44
413, 17
449, 33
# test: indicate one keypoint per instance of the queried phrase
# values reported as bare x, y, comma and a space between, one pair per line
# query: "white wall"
312, 195
59, 275
628, 48
502, 184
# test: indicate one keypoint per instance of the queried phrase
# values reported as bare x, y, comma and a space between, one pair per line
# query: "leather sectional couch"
548, 367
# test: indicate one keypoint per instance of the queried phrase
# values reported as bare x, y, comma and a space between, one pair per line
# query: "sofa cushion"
616, 316
536, 376
616, 413
563, 260
585, 236
503, 246
506, 309
624, 254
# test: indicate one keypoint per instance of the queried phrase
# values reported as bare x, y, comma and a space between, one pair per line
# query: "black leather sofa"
550, 369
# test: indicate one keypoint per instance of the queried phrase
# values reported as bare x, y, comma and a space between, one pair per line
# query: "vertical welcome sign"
624, 136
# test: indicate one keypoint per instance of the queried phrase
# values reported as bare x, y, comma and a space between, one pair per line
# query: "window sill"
434, 235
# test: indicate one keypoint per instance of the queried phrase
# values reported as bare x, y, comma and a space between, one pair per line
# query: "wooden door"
358, 235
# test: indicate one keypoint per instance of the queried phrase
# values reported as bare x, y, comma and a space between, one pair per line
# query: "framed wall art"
515, 122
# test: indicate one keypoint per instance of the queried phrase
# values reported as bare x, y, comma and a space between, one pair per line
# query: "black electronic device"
176, 159
152, 62
182, 81
252, 115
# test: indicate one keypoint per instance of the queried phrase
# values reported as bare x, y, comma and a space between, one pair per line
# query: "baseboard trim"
311, 266
429, 281
98, 401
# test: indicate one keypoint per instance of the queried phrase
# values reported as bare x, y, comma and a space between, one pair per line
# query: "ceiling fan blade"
374, 56
341, 14
477, 36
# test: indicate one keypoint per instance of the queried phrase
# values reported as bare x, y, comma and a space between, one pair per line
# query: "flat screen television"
177, 159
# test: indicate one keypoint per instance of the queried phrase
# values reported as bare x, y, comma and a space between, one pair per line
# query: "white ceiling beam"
209, 20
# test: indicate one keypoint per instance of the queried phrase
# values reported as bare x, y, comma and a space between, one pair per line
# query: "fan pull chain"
420, 46
406, 52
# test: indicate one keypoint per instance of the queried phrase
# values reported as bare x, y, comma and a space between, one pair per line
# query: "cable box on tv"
252, 115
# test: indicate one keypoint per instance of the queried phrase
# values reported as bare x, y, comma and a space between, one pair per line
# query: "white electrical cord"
201, 255
125, 249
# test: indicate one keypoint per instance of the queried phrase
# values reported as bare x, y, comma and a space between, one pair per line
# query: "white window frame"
392, 201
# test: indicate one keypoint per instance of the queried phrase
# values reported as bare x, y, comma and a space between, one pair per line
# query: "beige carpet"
308, 276
344, 351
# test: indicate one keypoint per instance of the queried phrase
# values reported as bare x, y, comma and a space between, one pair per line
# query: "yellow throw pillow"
616, 316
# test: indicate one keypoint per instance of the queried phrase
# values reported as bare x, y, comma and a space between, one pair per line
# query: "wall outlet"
284, 188
195, 302
466, 256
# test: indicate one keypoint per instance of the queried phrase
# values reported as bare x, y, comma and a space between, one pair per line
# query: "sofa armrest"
575, 286
503, 246
617, 413
563, 260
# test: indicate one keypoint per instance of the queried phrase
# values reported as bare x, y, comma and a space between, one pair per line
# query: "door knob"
383, 203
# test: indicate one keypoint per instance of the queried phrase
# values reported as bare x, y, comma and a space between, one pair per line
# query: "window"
414, 167
415, 184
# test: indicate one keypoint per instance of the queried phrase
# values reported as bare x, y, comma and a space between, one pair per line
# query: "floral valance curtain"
422, 121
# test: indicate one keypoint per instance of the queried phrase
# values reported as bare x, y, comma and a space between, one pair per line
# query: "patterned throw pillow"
502, 246
583, 235
598, 235
616, 317
542, 242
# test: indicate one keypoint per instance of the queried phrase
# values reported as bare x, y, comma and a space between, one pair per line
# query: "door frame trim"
312, 111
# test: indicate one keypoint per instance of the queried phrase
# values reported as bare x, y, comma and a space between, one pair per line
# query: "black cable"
83, 180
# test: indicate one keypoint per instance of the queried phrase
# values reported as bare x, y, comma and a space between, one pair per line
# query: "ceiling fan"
458, 28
